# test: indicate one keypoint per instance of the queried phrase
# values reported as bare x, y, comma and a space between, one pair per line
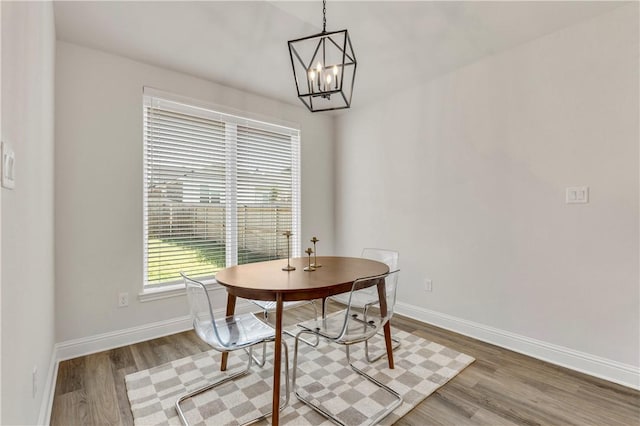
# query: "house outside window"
219, 189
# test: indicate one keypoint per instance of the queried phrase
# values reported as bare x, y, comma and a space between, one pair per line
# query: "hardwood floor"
500, 388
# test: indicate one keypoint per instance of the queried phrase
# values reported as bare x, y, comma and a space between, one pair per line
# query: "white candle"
319, 72
312, 77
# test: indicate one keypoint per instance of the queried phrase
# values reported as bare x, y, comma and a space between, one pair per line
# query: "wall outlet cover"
123, 300
8, 166
34, 381
577, 195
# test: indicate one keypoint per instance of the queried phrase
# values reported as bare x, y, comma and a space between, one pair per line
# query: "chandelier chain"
324, 16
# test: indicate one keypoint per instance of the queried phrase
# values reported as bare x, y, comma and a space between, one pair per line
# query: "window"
219, 190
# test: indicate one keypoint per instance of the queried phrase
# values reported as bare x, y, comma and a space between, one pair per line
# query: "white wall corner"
613, 371
44, 418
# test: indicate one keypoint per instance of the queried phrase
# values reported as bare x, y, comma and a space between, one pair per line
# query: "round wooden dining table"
267, 281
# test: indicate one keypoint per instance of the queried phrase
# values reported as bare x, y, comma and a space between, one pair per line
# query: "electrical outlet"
577, 195
123, 300
428, 285
34, 381
8, 166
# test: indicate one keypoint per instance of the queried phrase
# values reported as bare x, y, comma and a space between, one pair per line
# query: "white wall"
0, 219
466, 177
28, 52
99, 184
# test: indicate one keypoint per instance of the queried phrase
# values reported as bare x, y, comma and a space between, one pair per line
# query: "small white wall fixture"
8, 166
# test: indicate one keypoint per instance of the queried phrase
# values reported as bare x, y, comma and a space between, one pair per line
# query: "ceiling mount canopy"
324, 68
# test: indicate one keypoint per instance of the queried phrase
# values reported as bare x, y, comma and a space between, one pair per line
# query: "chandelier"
324, 68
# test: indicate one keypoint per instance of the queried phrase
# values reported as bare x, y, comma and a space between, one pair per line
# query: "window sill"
173, 290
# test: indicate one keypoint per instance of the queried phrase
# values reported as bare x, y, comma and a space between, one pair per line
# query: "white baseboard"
115, 339
613, 371
626, 375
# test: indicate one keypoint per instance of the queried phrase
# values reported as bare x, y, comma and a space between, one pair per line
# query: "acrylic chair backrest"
370, 318
390, 257
204, 322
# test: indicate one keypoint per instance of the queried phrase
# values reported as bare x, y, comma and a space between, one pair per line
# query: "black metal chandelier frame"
308, 92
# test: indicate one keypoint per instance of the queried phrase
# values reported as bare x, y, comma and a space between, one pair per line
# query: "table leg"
382, 296
277, 362
231, 308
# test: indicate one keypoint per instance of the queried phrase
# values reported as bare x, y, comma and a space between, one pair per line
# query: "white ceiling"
243, 44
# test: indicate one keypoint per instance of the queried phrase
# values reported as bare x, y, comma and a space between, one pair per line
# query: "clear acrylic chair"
227, 334
352, 325
369, 297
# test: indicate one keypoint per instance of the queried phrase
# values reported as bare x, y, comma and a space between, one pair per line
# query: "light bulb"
328, 79
312, 75
335, 70
319, 68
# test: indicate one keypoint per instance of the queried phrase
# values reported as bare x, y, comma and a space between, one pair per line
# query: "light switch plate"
577, 195
8, 166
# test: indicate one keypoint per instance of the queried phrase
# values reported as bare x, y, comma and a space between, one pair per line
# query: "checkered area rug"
421, 367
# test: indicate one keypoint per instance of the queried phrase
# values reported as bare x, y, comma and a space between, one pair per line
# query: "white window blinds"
219, 190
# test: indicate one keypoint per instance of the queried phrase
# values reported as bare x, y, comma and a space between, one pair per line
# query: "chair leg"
324, 307
287, 389
210, 386
265, 313
323, 411
260, 362
381, 385
295, 356
234, 376
315, 310
292, 334
376, 420
370, 358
